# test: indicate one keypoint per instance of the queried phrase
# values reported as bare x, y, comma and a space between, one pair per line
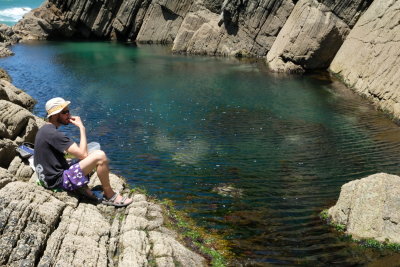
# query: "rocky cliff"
355, 39
39, 227
369, 59
291, 29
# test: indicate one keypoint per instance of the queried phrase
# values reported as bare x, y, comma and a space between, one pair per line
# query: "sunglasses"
65, 112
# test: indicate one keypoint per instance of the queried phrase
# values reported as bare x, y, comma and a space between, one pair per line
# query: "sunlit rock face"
313, 34
369, 58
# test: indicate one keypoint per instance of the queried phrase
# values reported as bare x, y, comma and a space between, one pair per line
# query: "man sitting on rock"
53, 169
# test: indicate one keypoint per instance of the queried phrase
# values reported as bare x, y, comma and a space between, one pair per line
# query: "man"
53, 169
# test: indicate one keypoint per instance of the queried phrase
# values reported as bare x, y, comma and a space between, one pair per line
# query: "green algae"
210, 245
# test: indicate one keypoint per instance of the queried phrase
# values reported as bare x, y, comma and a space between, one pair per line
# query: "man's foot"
117, 201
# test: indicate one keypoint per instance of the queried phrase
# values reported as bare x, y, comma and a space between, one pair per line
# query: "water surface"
181, 126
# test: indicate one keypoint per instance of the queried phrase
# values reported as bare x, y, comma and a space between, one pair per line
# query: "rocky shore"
39, 227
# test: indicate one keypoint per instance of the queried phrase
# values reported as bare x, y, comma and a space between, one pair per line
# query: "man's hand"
76, 120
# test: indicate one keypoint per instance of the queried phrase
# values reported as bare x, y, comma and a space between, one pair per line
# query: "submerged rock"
228, 190
370, 208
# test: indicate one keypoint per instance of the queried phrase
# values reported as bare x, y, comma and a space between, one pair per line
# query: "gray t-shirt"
49, 159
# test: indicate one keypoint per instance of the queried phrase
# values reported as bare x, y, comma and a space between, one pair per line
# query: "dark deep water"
181, 126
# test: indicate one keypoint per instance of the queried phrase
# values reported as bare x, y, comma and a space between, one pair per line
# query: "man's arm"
80, 151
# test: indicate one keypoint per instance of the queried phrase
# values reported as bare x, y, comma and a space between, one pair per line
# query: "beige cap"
55, 105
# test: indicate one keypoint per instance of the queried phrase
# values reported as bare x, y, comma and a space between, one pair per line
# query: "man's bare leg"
98, 159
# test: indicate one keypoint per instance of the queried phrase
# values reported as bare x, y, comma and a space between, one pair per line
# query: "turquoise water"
181, 126
12, 10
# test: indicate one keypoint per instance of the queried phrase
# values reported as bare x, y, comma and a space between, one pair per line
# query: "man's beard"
61, 121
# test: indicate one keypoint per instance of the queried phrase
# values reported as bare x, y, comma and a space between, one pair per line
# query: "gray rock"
11, 93
214, 6
163, 20
28, 214
18, 121
242, 29
369, 58
79, 240
43, 23
5, 177
7, 152
309, 40
166, 247
370, 208
5, 51
198, 34
129, 18
20, 169
348, 10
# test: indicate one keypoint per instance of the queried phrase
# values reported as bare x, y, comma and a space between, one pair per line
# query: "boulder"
18, 122
20, 169
309, 39
5, 51
7, 152
11, 93
370, 208
313, 34
368, 60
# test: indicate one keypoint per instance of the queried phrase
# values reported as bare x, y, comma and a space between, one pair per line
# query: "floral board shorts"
73, 178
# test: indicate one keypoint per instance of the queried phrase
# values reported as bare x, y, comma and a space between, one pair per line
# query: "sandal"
112, 201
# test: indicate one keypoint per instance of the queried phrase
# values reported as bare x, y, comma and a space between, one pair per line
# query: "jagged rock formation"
17, 123
313, 34
369, 208
212, 27
39, 227
43, 228
7, 38
369, 58
314, 29
243, 28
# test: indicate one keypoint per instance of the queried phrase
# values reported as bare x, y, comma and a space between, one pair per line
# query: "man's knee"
100, 156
